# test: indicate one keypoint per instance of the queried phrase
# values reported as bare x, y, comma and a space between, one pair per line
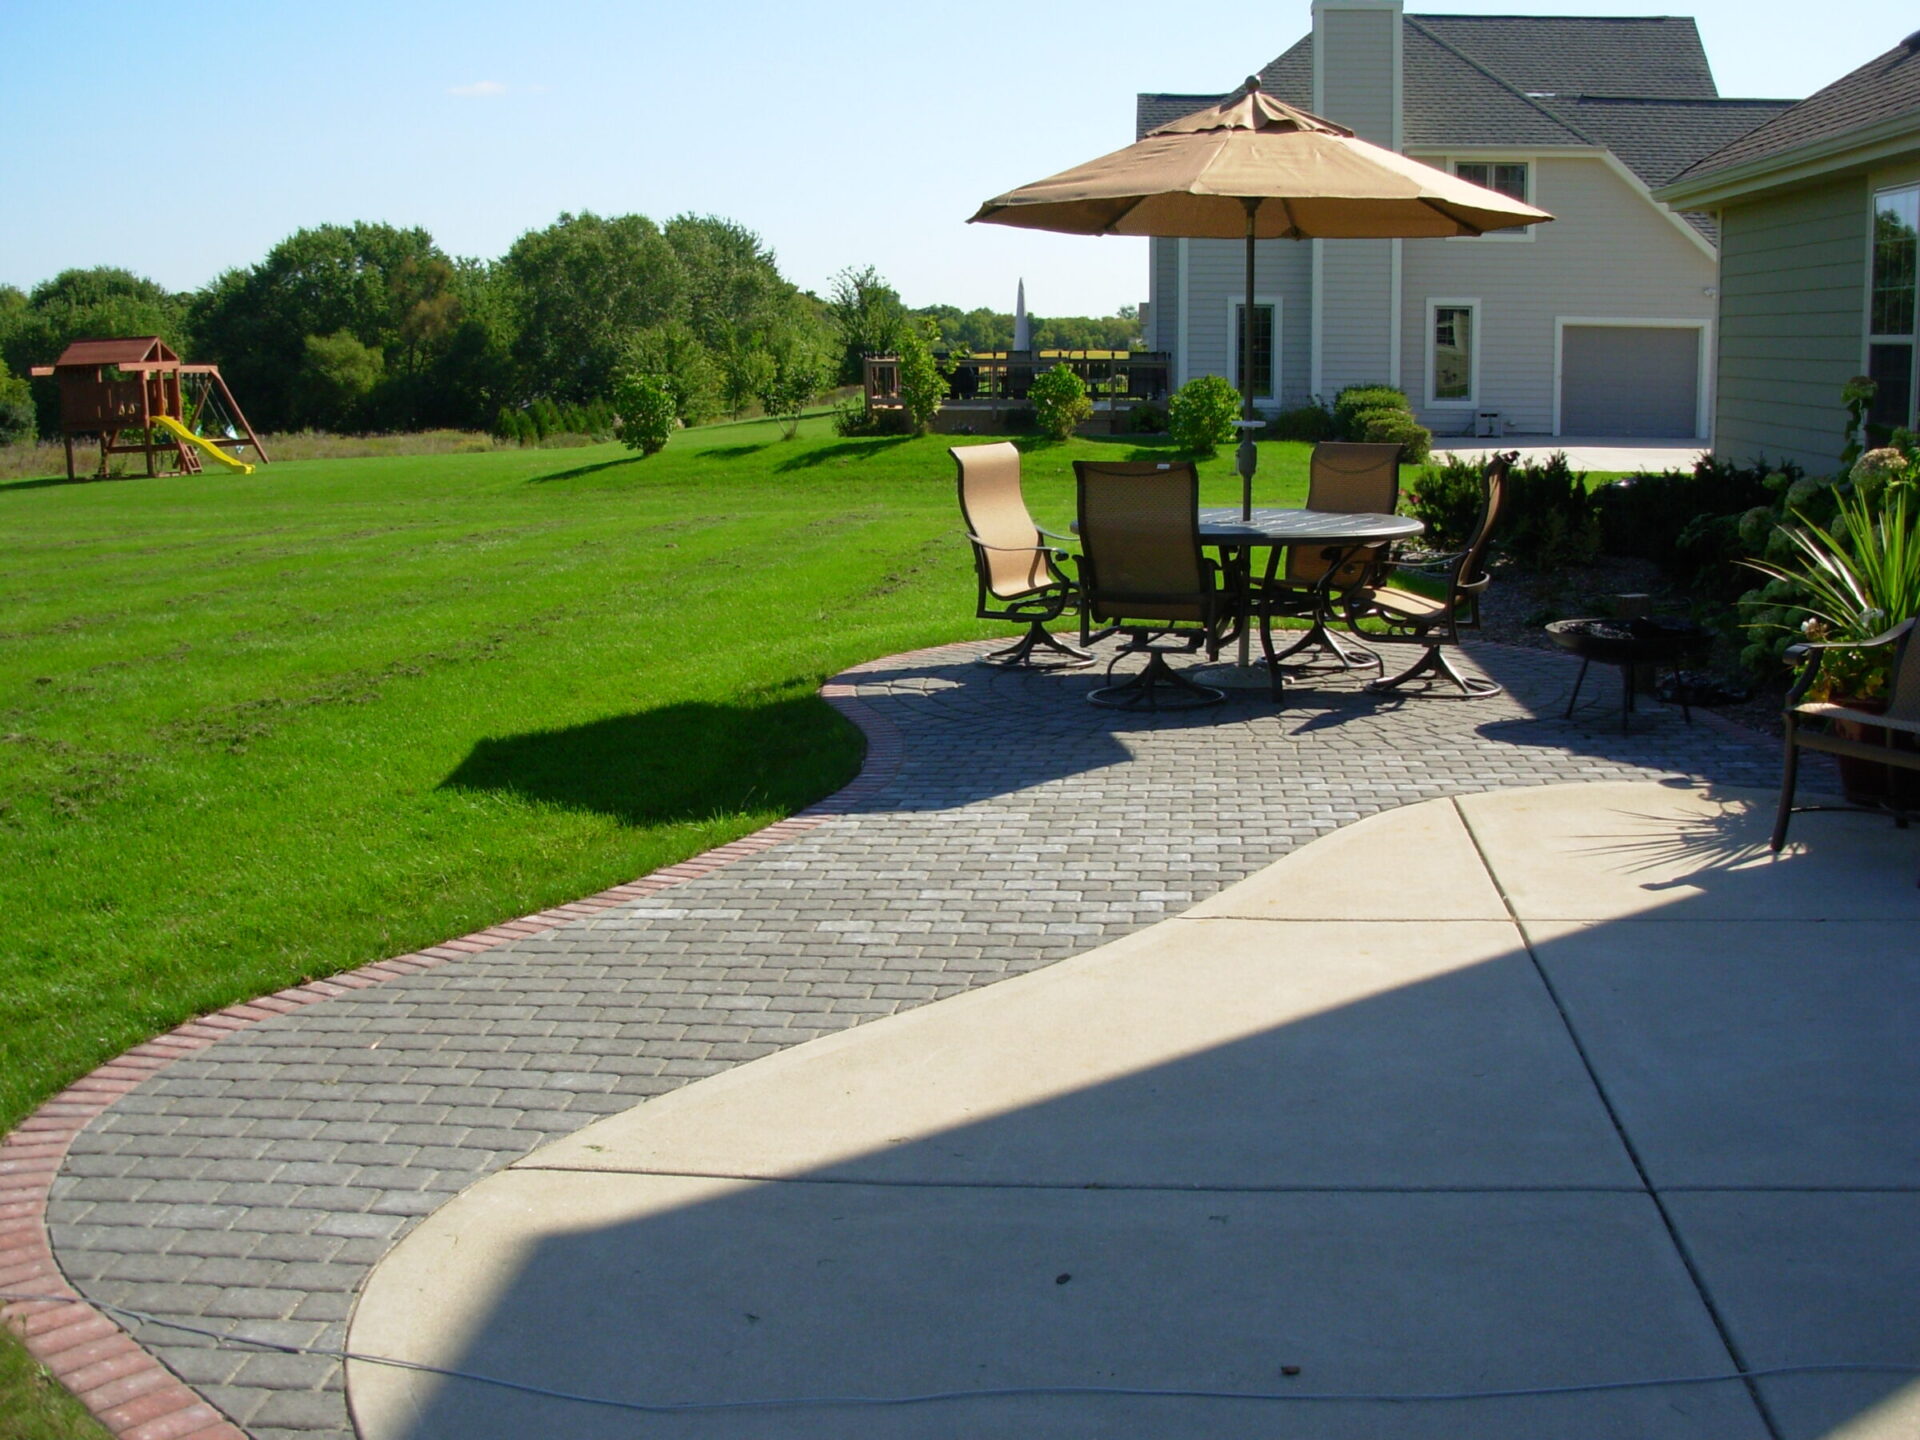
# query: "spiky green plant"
1857, 579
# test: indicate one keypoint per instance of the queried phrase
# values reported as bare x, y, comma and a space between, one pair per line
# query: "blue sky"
844, 134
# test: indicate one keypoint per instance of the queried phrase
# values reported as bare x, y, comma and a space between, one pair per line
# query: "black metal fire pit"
1631, 644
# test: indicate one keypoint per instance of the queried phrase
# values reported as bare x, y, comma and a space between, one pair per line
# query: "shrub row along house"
1601, 323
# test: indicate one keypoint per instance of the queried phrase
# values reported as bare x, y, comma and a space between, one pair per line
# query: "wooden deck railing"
997, 380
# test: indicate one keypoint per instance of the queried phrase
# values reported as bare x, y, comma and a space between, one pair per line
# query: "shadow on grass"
734, 452
581, 471
693, 761
42, 484
845, 450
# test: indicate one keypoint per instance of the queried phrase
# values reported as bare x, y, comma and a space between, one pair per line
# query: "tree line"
374, 327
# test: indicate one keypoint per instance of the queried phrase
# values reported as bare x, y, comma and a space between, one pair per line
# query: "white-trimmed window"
1453, 353
1890, 304
1266, 344
1513, 178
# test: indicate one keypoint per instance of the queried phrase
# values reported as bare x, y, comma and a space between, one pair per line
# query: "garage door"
1629, 380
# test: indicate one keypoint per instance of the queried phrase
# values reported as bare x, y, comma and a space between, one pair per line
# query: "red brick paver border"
130, 1392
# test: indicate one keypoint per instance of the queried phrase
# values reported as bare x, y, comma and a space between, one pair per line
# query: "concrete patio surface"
1542, 1120
248, 1173
1583, 452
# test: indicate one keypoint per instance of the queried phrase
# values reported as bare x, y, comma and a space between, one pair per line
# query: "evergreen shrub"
1201, 414
1059, 401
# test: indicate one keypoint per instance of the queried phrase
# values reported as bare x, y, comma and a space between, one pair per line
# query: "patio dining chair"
1435, 621
1142, 574
1019, 574
1347, 479
1849, 732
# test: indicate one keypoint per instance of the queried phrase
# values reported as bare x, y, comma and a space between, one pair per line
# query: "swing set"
137, 397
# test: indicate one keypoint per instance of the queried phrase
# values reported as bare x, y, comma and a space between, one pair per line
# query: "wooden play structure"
138, 398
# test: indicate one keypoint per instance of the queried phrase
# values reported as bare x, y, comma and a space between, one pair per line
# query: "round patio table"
1223, 526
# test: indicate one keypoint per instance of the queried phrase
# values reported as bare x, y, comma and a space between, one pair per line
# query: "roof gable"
1639, 87
1886, 88
125, 351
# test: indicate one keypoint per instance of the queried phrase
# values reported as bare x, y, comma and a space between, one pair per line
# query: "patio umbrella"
1257, 168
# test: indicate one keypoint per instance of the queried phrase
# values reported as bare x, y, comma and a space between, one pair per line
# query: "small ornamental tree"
644, 406
797, 368
1059, 401
1201, 414
922, 386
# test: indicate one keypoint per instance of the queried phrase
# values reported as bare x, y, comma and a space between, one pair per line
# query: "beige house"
1601, 323
1818, 212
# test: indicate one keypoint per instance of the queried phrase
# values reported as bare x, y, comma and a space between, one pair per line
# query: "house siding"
1609, 254
1163, 294
1356, 54
1792, 323
1217, 273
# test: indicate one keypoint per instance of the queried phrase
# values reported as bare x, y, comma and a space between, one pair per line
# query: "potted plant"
1857, 578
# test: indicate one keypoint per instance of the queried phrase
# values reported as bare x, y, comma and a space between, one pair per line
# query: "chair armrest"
1056, 535
1802, 650
1805, 656
1019, 549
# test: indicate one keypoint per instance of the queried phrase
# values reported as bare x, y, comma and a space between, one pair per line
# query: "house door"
1630, 380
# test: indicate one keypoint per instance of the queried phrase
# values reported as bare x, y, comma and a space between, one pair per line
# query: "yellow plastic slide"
174, 427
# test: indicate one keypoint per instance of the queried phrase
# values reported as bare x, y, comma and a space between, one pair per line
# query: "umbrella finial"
1253, 84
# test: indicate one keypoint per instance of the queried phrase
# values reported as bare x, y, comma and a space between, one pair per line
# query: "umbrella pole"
1247, 458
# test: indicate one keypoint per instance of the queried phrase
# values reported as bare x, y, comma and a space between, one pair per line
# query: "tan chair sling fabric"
1140, 538
1348, 479
1142, 573
1017, 569
1011, 548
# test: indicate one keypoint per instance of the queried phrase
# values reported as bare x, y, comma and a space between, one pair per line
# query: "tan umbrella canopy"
1252, 167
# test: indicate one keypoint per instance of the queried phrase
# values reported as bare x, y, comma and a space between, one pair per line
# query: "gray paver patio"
251, 1187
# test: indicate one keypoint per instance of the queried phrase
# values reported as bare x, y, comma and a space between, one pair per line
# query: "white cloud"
479, 90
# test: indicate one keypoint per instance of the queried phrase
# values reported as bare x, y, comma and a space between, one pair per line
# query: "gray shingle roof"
1657, 139
1640, 87
1885, 88
1452, 98
1657, 55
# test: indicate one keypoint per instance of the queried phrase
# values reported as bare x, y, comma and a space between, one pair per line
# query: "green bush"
644, 404
1059, 401
1645, 516
1446, 499
1395, 427
1547, 520
1356, 400
1311, 423
1147, 420
1201, 414
922, 386
16, 408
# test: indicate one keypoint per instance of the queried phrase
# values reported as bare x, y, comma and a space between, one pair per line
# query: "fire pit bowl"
1631, 644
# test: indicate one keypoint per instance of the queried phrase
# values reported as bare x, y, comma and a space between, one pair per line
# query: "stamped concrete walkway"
249, 1186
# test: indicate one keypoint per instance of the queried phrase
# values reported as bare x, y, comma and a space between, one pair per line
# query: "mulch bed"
1518, 606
